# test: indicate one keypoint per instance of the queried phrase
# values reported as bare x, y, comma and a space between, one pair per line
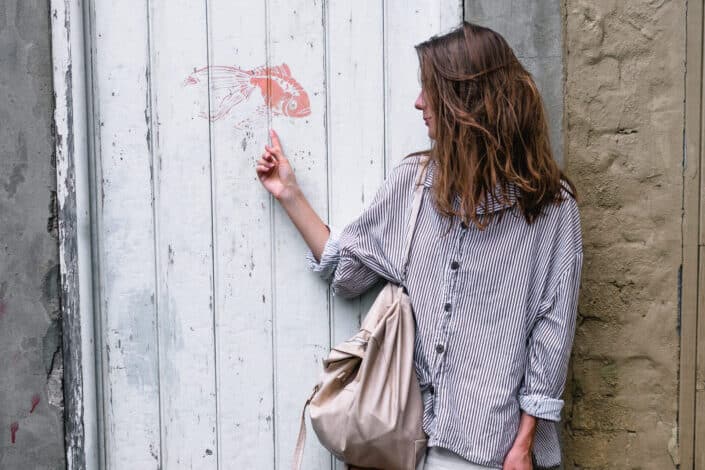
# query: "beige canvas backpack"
367, 407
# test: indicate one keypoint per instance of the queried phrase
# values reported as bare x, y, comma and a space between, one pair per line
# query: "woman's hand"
278, 178
518, 458
274, 171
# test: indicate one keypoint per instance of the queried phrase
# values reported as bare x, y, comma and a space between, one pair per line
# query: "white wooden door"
211, 330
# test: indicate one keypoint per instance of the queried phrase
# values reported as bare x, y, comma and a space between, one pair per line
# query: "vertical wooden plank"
243, 254
699, 431
406, 23
126, 236
301, 327
694, 189
354, 57
182, 175
355, 90
691, 208
75, 215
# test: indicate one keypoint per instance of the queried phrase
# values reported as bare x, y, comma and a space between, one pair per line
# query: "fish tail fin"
197, 76
229, 86
223, 76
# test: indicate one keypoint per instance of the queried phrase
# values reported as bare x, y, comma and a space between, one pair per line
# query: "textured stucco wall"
624, 132
31, 408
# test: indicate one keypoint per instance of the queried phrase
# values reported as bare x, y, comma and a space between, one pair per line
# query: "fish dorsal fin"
261, 70
281, 70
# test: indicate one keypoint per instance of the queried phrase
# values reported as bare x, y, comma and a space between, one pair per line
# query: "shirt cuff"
325, 267
541, 406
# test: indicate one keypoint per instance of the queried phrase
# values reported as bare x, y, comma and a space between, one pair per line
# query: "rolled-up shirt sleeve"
325, 267
367, 250
549, 347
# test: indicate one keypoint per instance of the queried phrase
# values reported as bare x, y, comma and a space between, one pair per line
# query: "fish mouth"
303, 112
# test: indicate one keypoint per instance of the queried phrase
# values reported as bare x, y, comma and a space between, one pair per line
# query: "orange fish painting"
230, 86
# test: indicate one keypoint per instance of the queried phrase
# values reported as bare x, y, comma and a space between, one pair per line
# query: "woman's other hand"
518, 458
274, 171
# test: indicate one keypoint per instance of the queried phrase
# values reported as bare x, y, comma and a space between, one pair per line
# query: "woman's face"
427, 115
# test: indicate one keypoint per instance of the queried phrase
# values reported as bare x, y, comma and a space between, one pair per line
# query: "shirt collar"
495, 202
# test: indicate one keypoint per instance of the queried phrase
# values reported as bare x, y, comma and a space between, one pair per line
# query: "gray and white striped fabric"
495, 310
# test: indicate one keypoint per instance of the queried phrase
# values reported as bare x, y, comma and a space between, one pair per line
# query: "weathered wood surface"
243, 279
184, 238
691, 415
212, 330
71, 126
126, 244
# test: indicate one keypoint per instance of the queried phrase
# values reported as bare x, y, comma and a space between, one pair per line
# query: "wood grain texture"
355, 63
73, 190
214, 330
182, 180
243, 254
690, 284
301, 328
355, 73
126, 237
694, 194
699, 431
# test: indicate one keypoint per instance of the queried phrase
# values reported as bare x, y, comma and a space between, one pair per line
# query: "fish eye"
292, 104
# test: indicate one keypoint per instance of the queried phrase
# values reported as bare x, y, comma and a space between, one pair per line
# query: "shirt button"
446, 307
464, 225
431, 390
454, 265
440, 348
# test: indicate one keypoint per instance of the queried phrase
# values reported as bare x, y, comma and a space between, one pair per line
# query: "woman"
495, 261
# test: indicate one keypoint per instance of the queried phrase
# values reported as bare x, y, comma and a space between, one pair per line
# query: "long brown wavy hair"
490, 127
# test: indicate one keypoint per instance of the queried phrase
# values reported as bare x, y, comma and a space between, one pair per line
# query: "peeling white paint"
211, 330
74, 223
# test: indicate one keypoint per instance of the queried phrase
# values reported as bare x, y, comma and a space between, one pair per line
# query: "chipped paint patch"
35, 403
14, 427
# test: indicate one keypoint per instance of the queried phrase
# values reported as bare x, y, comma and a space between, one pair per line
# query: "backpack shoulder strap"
415, 206
301, 438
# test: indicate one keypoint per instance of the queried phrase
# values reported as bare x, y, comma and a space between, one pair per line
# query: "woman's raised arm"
277, 177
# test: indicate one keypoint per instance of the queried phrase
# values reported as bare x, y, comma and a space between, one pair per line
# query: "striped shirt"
495, 310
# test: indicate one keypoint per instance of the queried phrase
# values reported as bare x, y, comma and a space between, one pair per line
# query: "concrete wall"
624, 133
31, 408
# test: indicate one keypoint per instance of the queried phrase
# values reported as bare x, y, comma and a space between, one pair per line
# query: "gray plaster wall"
534, 30
31, 404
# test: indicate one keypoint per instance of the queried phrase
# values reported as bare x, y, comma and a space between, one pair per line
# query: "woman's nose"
419, 104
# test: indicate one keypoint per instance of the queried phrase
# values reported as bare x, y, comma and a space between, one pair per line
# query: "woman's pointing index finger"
275, 139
